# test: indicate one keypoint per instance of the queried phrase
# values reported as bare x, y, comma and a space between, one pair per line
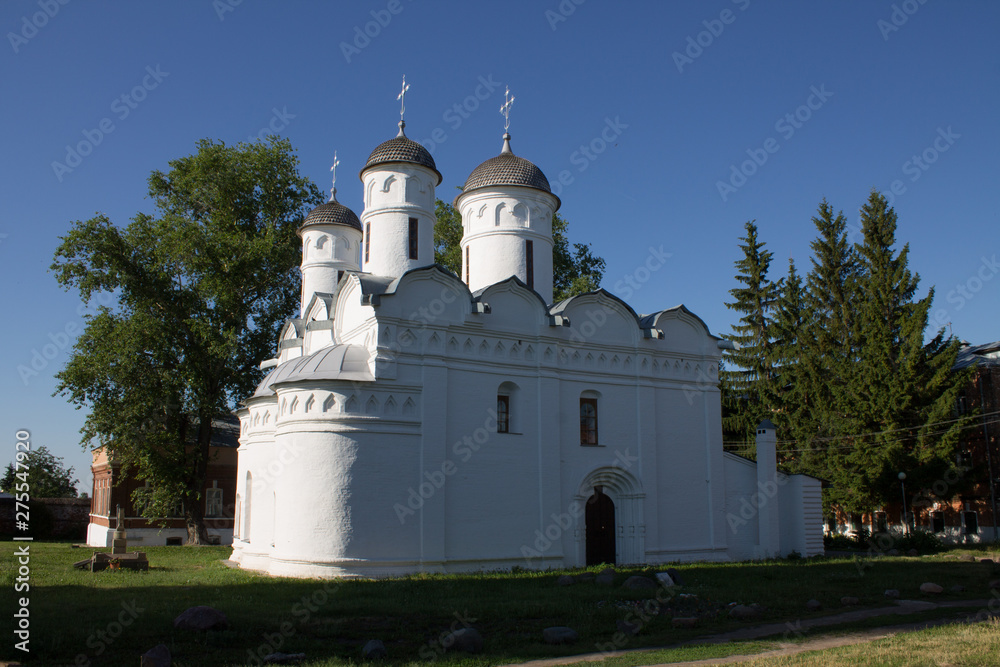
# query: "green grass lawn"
112, 617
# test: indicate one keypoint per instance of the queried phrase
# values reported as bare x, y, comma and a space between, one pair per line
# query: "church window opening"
503, 414
529, 262
588, 421
368, 239
466, 265
937, 522
971, 520
413, 238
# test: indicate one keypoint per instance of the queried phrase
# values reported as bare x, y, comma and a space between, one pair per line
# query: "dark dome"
332, 213
401, 149
507, 169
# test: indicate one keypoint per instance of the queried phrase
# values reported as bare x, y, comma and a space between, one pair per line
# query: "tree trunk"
197, 533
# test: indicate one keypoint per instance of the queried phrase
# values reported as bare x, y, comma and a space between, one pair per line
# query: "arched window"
588, 418
508, 413
246, 508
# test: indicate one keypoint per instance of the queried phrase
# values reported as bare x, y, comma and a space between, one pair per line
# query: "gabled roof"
987, 354
337, 362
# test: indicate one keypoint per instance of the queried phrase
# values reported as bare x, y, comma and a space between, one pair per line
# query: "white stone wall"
394, 193
496, 223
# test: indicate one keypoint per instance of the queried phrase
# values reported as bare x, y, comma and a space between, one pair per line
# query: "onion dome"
331, 213
507, 169
401, 149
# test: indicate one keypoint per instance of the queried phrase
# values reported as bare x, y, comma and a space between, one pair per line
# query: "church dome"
507, 169
332, 213
401, 149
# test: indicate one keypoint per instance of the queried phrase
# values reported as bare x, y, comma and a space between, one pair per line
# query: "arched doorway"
614, 531
600, 524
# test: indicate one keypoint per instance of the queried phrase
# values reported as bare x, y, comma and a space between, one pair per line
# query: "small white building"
418, 421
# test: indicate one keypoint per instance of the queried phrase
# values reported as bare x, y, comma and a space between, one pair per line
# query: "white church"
418, 421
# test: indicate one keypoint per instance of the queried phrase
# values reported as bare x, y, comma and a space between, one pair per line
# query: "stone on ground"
967, 558
464, 639
565, 580
605, 578
374, 650
665, 579
742, 612
201, 617
676, 576
932, 588
158, 656
814, 605
849, 601
685, 622
892, 593
912, 552
560, 634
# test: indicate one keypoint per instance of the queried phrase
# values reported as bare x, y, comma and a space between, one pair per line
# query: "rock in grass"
201, 617
158, 656
931, 588
605, 579
627, 628
676, 576
565, 580
892, 593
280, 658
967, 558
814, 605
464, 639
560, 634
986, 561
742, 612
684, 622
665, 579
374, 650
639, 584
912, 552
849, 601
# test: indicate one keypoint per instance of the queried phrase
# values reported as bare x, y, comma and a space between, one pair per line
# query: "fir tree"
749, 381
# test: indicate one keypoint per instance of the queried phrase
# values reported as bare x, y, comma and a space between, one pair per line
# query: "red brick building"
111, 489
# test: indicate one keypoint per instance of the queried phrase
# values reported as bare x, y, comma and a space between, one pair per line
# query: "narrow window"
413, 238
503, 414
466, 265
881, 523
588, 421
529, 261
937, 522
368, 239
213, 500
971, 523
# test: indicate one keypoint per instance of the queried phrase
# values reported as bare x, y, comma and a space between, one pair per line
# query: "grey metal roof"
987, 354
337, 362
332, 213
401, 149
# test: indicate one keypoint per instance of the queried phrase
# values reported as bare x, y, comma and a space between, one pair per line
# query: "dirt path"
901, 608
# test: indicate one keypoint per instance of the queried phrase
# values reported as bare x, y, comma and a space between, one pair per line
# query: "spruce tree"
791, 405
748, 381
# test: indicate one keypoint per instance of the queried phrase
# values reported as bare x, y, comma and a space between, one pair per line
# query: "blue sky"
670, 124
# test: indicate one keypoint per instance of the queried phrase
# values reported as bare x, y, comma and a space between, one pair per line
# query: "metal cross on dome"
333, 170
400, 97
505, 109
